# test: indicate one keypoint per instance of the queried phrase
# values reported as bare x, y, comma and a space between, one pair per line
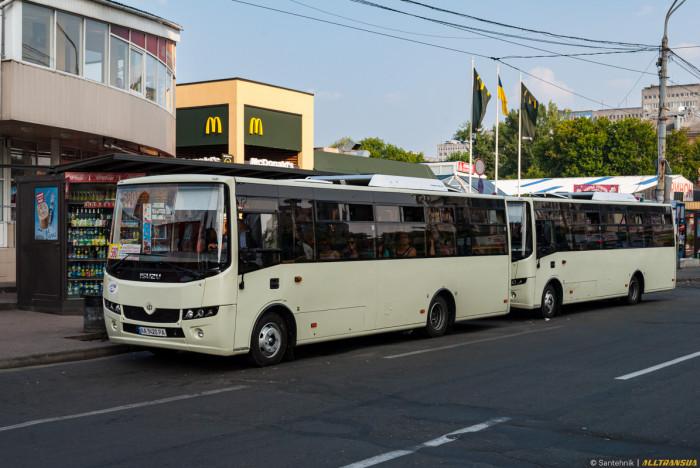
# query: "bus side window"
545, 237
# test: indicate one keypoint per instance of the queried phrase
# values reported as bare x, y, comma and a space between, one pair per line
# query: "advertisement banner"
608, 188
99, 177
45, 213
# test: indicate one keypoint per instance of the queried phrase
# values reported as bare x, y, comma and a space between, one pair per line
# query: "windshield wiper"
121, 260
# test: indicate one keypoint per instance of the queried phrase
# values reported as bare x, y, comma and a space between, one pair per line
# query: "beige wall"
37, 95
239, 93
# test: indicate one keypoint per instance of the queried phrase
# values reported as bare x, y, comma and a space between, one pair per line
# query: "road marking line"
115, 409
658, 366
457, 345
443, 439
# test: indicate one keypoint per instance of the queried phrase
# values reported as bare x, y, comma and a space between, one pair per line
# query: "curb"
63, 356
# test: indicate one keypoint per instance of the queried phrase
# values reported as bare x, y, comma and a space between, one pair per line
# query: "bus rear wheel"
550, 302
438, 317
268, 344
634, 292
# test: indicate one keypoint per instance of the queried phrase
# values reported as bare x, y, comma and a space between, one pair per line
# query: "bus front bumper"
211, 335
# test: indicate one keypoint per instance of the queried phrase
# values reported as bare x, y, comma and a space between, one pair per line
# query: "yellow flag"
502, 97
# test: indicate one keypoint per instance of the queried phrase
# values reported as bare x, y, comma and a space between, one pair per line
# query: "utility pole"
661, 125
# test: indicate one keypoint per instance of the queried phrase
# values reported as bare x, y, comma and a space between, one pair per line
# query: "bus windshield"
169, 232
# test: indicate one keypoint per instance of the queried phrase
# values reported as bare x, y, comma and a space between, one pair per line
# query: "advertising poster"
45, 213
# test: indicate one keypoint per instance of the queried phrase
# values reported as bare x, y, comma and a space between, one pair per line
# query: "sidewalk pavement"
688, 275
34, 338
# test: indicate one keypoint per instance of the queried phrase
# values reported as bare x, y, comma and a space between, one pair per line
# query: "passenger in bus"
383, 250
325, 252
404, 248
350, 250
306, 242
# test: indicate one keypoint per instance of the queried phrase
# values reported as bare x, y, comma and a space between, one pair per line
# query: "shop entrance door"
40, 242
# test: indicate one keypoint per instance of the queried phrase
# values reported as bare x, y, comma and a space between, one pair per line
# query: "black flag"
528, 108
480, 99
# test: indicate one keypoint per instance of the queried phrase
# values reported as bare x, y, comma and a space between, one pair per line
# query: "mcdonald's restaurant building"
247, 122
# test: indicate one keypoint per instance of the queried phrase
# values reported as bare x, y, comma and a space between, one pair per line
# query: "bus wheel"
269, 341
634, 293
438, 317
550, 302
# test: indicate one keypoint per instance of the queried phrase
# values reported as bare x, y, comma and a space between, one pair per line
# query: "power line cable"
535, 31
476, 31
481, 30
636, 82
438, 36
451, 49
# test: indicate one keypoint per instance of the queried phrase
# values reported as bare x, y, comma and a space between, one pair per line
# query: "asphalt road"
512, 391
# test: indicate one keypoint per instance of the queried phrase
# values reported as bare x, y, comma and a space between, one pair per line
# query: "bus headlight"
517, 281
201, 312
113, 307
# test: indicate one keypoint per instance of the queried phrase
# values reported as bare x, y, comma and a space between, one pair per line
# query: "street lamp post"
661, 194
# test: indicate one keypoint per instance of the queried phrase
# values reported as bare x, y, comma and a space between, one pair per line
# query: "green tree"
341, 142
630, 148
682, 155
378, 148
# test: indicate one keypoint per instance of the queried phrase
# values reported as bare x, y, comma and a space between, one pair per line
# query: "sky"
413, 95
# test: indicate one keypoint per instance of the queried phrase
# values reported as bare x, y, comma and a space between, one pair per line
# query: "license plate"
148, 331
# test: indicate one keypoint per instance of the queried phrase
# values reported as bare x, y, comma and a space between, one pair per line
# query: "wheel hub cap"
270, 339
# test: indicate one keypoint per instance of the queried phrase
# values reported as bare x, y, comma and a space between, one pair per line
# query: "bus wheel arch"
551, 306
274, 313
441, 313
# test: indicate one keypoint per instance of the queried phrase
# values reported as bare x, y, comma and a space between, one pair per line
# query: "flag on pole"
528, 109
502, 97
480, 99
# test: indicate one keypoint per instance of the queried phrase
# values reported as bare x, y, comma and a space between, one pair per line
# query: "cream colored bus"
225, 265
567, 250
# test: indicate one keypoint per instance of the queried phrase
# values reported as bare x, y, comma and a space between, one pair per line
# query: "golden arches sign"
213, 125
255, 127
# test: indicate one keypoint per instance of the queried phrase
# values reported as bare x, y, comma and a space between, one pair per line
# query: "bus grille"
158, 316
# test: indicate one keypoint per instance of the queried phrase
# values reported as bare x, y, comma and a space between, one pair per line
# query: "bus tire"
634, 291
550, 302
269, 342
438, 317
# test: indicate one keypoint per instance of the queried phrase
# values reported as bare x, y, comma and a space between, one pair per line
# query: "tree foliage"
581, 147
378, 148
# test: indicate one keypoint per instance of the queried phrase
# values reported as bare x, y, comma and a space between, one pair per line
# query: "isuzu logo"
150, 276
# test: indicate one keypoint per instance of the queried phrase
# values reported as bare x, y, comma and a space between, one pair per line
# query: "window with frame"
118, 63
258, 233
136, 71
69, 42
37, 34
488, 225
297, 239
96, 34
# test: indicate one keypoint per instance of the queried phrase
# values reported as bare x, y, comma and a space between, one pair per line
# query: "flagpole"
495, 183
471, 127
520, 127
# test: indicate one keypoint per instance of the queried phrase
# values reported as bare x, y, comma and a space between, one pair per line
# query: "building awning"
152, 165
348, 164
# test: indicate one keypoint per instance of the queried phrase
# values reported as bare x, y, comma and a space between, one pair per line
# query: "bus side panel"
589, 275
329, 299
659, 269
483, 286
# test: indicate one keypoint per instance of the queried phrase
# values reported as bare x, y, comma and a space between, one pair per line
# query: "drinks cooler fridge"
63, 232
